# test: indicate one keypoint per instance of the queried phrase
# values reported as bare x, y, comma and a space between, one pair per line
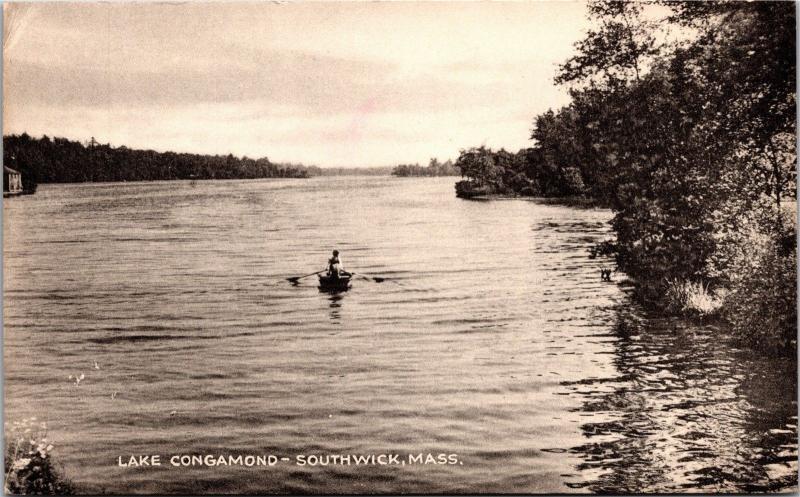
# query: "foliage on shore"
691, 298
29, 467
58, 160
349, 171
690, 140
435, 168
526, 173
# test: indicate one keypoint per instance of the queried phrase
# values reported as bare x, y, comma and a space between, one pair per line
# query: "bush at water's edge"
29, 466
750, 282
690, 298
469, 189
762, 307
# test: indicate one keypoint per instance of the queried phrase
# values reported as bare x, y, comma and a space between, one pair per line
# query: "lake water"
493, 338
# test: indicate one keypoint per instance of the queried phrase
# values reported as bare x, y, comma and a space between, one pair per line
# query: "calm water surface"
493, 338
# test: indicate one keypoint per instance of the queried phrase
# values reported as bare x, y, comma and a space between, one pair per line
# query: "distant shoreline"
345, 175
46, 160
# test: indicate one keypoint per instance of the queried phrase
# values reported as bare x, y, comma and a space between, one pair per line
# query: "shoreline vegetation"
691, 143
434, 169
60, 160
29, 466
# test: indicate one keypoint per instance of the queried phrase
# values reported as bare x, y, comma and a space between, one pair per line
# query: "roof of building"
10, 171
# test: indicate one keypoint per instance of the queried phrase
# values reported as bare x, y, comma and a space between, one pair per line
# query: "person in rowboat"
335, 267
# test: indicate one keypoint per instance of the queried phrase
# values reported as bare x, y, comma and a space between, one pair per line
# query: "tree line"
59, 160
351, 171
434, 168
690, 140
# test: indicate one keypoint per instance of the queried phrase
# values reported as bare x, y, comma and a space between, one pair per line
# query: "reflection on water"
686, 411
335, 297
493, 337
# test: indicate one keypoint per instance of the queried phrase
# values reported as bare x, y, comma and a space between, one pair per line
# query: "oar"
295, 279
376, 279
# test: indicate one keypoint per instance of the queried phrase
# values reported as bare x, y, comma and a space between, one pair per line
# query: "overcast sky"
332, 84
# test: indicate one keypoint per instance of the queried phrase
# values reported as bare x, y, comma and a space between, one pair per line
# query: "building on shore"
12, 182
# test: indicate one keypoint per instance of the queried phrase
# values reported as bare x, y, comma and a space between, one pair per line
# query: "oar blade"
376, 279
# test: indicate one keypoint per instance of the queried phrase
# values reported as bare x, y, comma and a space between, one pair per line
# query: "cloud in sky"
334, 84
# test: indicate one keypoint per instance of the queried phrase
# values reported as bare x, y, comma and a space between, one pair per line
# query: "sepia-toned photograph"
358, 248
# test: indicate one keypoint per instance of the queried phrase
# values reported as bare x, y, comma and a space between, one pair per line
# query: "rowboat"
333, 283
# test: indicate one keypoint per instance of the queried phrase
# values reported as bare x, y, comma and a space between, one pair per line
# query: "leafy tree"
478, 165
616, 51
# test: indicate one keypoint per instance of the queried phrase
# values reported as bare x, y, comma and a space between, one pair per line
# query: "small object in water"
605, 274
96, 366
173, 413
